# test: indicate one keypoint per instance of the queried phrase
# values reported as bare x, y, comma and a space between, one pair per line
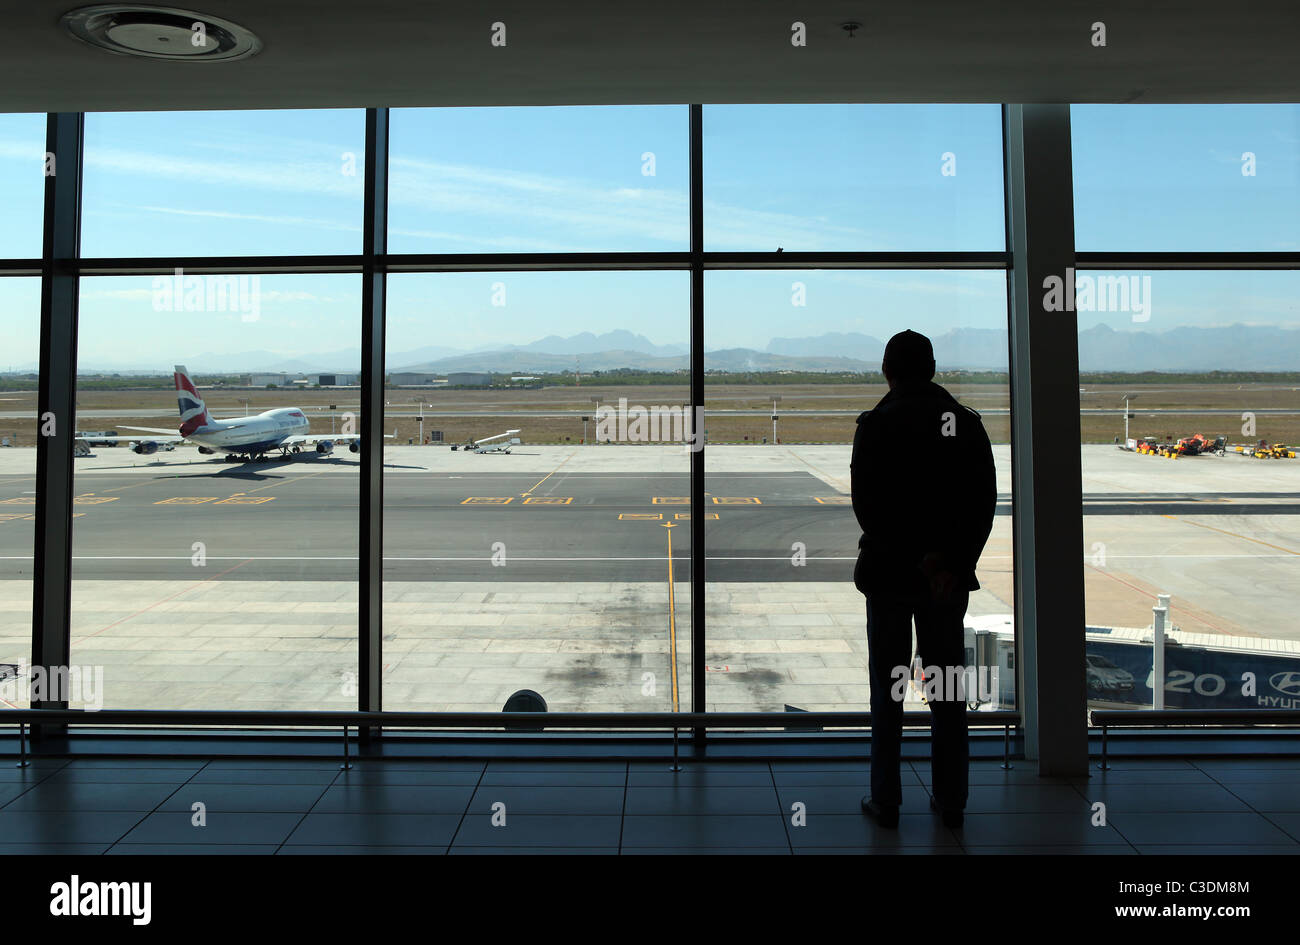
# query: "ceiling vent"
160, 33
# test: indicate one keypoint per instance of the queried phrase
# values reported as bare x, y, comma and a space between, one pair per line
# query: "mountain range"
1101, 348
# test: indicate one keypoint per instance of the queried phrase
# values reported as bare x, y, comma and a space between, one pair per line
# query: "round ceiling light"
160, 33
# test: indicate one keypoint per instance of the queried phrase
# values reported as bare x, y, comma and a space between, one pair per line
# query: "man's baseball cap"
910, 356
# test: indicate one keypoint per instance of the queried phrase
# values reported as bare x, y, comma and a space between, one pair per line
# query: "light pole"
595, 409
775, 400
1127, 398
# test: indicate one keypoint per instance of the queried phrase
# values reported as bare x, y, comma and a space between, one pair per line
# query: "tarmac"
200, 583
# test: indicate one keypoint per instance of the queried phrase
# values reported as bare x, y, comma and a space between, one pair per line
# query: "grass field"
549, 415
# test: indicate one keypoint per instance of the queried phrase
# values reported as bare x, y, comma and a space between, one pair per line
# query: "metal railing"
518, 721
1106, 719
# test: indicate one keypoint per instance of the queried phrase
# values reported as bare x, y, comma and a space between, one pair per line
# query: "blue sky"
833, 177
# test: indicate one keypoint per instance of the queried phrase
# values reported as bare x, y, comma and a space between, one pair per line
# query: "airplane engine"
354, 446
324, 447
147, 448
206, 451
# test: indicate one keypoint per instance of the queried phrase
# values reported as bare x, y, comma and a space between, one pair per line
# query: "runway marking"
686, 516
672, 612
736, 500
16, 516
187, 500
285, 482
530, 491
488, 500
641, 516
1222, 531
548, 500
20, 500
833, 499
670, 500
91, 499
163, 601
240, 498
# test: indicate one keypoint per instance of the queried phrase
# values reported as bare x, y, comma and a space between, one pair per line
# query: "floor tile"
396, 799
1034, 829
557, 830
543, 799
190, 849
754, 830
251, 798
703, 801
237, 828
294, 849
372, 829
66, 826
53, 849
536, 851
1136, 798
1268, 795
1095, 849
846, 799
857, 831
321, 776
1216, 849
81, 796
559, 778
448, 776
1199, 828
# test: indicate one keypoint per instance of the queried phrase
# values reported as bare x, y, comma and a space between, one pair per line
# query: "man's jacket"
923, 482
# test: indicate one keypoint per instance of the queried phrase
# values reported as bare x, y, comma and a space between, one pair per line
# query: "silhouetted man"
924, 494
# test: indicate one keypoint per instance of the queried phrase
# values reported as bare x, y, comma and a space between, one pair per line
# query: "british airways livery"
285, 429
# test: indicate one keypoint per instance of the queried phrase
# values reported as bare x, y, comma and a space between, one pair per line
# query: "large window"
207, 579
538, 180
793, 358
20, 306
537, 427
537, 491
249, 183
1188, 381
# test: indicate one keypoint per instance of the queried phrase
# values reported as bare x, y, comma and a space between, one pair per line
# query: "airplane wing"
169, 438
305, 438
152, 430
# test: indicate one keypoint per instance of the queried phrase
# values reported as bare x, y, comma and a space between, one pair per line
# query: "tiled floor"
268, 807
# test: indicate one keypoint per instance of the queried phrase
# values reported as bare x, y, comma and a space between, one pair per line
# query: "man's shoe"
951, 818
884, 814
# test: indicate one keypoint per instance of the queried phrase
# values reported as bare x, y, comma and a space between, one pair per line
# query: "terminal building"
659, 645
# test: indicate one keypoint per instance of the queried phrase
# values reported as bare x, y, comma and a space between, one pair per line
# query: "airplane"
477, 446
285, 429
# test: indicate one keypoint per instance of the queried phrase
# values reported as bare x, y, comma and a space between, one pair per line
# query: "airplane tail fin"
194, 413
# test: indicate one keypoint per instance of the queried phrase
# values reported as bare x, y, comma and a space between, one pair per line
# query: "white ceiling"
323, 53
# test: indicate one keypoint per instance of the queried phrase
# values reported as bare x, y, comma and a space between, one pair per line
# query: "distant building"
266, 380
414, 379
469, 379
338, 380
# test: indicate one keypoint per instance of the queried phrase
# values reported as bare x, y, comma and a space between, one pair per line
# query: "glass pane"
22, 184
223, 183
20, 338
532, 524
219, 572
843, 178
1212, 178
793, 358
1200, 500
539, 180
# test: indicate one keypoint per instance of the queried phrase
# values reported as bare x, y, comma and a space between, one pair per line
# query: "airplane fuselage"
256, 434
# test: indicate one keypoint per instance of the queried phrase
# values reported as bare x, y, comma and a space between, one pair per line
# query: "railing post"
22, 746
1104, 766
347, 765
